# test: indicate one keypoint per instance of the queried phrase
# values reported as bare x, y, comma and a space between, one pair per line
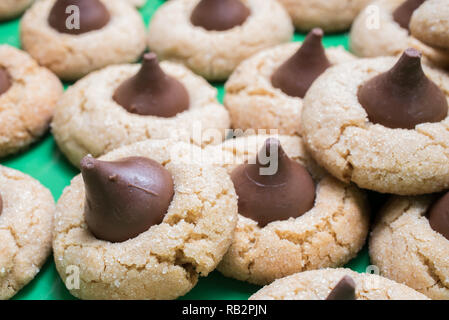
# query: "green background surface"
46, 163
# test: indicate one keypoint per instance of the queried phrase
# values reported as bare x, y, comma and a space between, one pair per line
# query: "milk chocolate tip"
296, 75
344, 290
274, 188
404, 96
126, 197
219, 15
151, 92
76, 17
438, 216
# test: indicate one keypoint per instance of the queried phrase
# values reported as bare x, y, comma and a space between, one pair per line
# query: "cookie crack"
425, 261
404, 211
324, 226
434, 142
349, 168
431, 270
245, 252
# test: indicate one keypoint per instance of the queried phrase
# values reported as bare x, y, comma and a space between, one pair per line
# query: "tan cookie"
430, 23
12, 8
25, 229
88, 120
252, 100
375, 33
215, 54
338, 133
73, 56
406, 249
328, 235
27, 106
317, 285
329, 15
165, 261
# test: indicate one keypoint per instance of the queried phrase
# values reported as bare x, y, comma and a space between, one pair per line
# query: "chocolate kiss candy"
93, 15
151, 92
344, 290
5, 81
1, 204
126, 197
403, 96
279, 193
297, 74
403, 14
439, 216
219, 15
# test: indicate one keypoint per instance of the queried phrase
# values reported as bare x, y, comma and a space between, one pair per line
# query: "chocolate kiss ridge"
439, 216
126, 197
344, 290
403, 14
151, 92
403, 96
5, 81
219, 15
288, 193
295, 76
93, 15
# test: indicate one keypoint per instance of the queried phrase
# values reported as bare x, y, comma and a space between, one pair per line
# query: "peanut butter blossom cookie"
382, 29
430, 23
381, 123
75, 37
292, 215
144, 222
12, 8
266, 91
336, 284
26, 222
28, 95
212, 37
410, 243
329, 15
127, 103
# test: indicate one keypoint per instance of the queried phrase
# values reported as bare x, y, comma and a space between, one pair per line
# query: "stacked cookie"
166, 195
381, 123
377, 123
28, 95
404, 151
388, 27
26, 226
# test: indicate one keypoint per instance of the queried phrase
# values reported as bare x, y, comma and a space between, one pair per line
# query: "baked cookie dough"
329, 15
72, 56
318, 284
406, 248
328, 235
165, 261
376, 33
89, 121
252, 100
341, 137
430, 23
26, 218
215, 54
28, 95
12, 8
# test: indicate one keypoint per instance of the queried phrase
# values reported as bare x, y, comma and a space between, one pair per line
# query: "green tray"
46, 163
